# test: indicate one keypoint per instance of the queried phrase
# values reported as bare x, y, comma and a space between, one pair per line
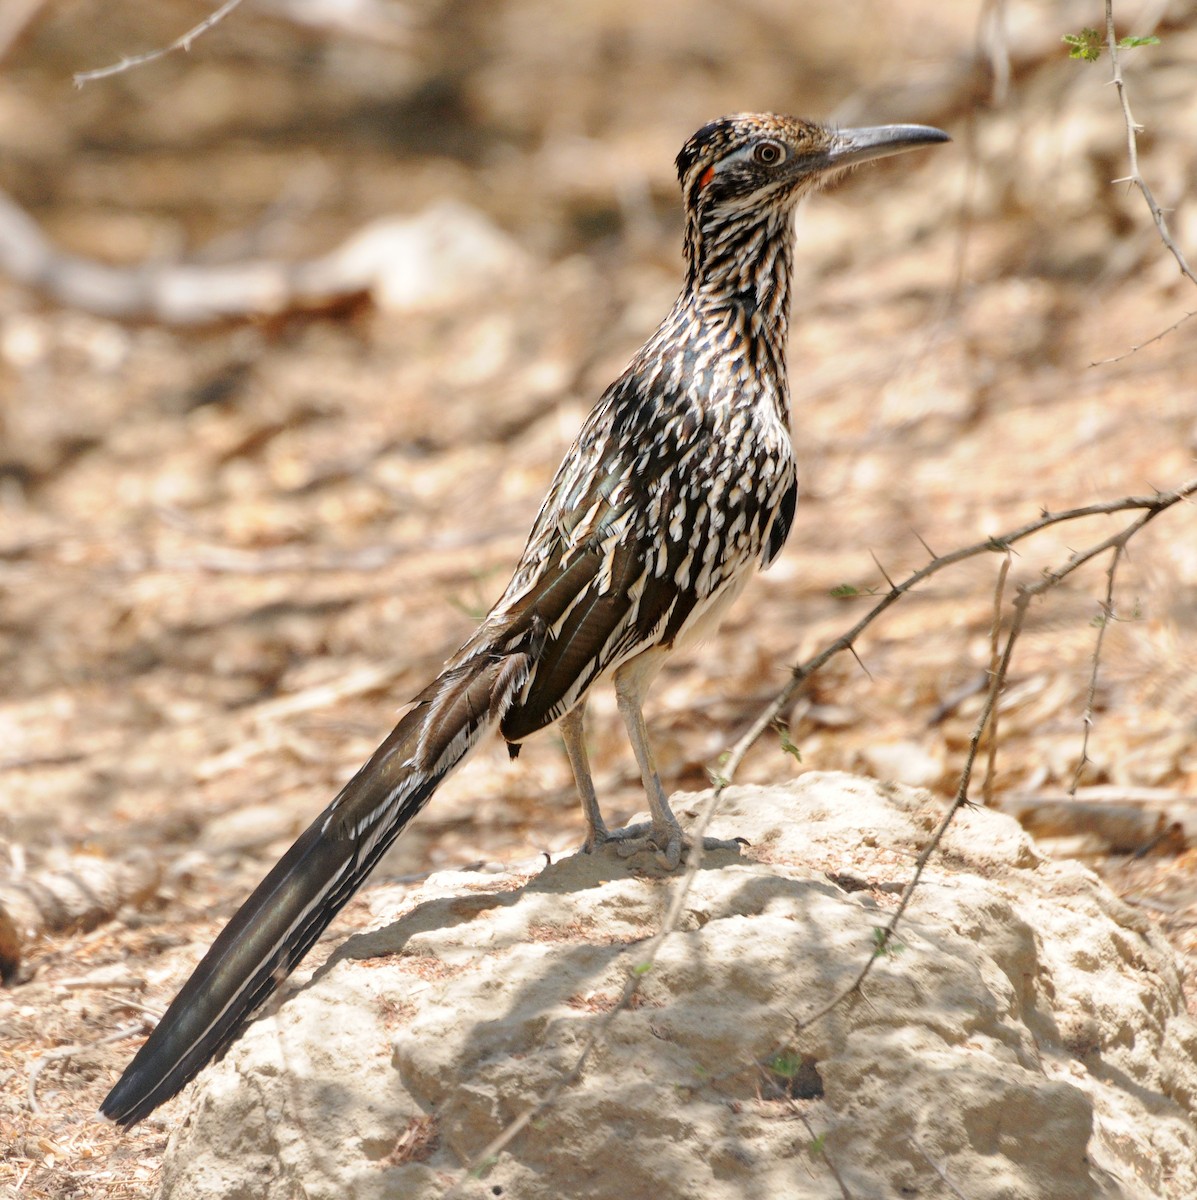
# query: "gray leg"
579, 761
664, 834
631, 684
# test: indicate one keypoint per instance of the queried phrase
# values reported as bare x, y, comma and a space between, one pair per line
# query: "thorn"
860, 661
883, 571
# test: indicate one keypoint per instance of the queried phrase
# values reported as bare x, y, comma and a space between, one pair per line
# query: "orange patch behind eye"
706, 177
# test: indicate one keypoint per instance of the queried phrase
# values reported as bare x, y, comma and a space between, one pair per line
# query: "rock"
1026, 1040
436, 259
903, 762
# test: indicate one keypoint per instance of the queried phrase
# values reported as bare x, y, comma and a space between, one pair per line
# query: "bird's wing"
614, 563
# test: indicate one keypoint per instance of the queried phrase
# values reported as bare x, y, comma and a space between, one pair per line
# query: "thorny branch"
1107, 615
995, 630
1135, 178
1022, 602
1149, 506
781, 702
1132, 150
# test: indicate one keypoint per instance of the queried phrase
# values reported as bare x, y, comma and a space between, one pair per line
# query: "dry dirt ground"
228, 554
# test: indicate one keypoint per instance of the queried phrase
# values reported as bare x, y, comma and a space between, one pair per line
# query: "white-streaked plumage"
679, 485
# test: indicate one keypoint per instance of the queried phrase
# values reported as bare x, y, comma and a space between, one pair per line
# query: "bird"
679, 485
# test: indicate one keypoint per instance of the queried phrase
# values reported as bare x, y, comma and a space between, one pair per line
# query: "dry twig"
1107, 615
180, 43
999, 593
1022, 602
938, 1169
37, 1065
1135, 179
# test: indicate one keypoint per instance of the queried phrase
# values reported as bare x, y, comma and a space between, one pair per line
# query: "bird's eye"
768, 154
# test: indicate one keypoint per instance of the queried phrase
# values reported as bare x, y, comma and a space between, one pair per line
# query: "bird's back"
679, 484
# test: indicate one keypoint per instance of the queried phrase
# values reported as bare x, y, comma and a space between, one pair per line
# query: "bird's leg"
579, 761
664, 834
597, 833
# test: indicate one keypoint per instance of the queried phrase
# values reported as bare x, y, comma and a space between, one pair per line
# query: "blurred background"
295, 327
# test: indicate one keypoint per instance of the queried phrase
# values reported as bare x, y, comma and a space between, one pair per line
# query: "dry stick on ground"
1152, 506
79, 893
191, 293
401, 262
180, 43
38, 1064
1135, 178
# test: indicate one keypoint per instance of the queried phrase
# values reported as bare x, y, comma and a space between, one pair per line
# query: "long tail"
293, 905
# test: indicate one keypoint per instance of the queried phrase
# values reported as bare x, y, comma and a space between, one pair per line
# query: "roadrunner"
680, 483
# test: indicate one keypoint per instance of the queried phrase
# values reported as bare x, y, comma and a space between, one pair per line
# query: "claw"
667, 843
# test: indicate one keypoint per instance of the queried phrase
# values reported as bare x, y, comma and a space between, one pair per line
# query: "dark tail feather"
293, 905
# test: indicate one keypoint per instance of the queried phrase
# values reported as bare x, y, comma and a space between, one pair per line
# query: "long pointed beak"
851, 146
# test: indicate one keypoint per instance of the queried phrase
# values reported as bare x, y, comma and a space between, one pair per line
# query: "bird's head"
762, 159
740, 170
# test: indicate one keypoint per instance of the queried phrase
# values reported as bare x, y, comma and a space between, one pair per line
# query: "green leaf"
785, 1063
1129, 43
787, 743
845, 590
642, 968
1085, 45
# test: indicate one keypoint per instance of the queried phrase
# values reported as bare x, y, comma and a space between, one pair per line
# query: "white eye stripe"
767, 152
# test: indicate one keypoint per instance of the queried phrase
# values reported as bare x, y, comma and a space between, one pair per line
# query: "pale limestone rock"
1028, 1040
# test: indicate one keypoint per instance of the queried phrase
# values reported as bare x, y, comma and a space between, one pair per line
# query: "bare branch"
996, 682
180, 43
938, 1169
1132, 149
1107, 615
1135, 178
995, 630
1163, 333
1000, 543
1022, 602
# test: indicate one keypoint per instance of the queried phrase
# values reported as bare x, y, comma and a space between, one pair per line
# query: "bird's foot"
666, 841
